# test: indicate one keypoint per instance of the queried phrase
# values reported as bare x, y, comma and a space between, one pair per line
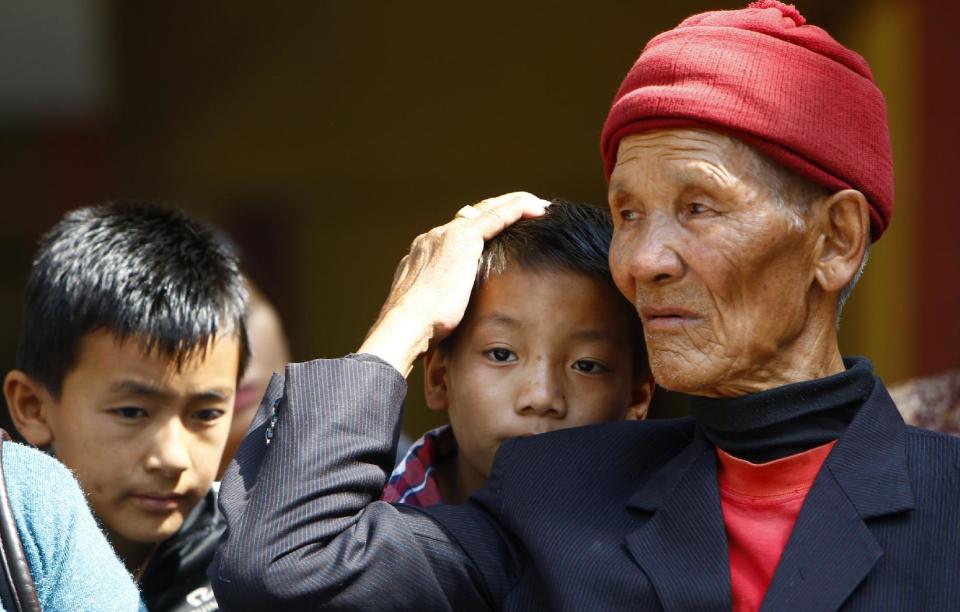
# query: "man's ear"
435, 379
29, 403
843, 222
640, 399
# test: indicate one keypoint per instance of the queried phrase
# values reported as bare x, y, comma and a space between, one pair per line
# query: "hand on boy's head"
432, 284
143, 436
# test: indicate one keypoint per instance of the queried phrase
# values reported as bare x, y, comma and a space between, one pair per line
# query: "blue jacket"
73, 565
623, 516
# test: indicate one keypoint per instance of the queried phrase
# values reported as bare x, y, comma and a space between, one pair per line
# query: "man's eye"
500, 355
588, 366
628, 215
208, 415
130, 412
696, 208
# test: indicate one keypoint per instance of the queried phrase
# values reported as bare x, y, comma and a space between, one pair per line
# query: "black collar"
786, 420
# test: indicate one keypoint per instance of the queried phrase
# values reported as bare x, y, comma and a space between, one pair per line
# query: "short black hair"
569, 237
136, 270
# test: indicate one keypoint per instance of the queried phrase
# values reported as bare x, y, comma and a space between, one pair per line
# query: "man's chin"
674, 373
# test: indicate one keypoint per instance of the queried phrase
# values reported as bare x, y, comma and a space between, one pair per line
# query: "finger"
533, 206
468, 212
529, 206
496, 202
506, 210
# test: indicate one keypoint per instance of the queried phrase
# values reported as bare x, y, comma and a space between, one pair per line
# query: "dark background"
325, 135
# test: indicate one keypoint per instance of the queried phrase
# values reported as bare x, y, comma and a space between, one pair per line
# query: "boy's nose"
168, 453
541, 394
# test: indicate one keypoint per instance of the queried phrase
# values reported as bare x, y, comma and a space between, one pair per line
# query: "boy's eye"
500, 355
588, 366
130, 412
208, 415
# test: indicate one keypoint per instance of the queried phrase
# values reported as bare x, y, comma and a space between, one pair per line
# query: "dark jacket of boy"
176, 578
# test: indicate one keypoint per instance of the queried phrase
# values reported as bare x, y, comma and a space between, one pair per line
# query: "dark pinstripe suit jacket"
623, 516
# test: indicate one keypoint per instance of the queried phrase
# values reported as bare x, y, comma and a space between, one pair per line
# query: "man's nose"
168, 451
541, 393
654, 254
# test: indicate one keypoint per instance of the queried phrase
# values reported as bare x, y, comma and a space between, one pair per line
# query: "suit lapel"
831, 550
682, 548
829, 553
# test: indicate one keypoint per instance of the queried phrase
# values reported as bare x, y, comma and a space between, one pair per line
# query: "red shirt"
760, 506
414, 480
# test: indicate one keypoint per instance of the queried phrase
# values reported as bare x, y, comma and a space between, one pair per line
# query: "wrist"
398, 339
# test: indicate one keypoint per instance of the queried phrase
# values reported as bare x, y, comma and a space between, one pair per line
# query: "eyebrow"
593, 334
498, 318
133, 387
686, 176
616, 194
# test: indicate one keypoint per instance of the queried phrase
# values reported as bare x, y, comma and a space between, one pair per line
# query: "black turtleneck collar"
786, 420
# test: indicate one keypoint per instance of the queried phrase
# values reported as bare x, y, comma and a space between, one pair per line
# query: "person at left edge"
71, 563
134, 338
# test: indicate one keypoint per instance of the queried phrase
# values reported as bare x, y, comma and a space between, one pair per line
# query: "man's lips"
158, 502
666, 318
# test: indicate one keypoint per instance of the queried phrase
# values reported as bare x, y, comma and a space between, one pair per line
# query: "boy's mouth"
158, 502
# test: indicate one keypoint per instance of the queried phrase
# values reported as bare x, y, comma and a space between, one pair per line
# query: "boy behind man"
546, 343
134, 338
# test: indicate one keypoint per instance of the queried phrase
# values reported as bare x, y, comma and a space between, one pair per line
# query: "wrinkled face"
719, 272
537, 352
143, 439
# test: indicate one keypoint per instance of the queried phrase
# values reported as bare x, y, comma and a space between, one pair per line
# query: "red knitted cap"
762, 76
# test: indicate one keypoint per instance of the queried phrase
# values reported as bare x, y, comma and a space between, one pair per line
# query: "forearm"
397, 338
304, 527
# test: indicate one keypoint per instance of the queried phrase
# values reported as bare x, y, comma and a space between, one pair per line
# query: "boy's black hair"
569, 237
136, 270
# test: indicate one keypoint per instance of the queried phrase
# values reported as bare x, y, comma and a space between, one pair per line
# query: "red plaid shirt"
413, 481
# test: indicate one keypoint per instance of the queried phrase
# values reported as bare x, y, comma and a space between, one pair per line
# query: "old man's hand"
431, 287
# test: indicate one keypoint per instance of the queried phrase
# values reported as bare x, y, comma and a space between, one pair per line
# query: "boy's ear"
640, 399
435, 379
29, 403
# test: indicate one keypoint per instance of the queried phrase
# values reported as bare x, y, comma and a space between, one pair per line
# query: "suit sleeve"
304, 527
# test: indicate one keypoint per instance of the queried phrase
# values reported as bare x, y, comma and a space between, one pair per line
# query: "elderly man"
750, 168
